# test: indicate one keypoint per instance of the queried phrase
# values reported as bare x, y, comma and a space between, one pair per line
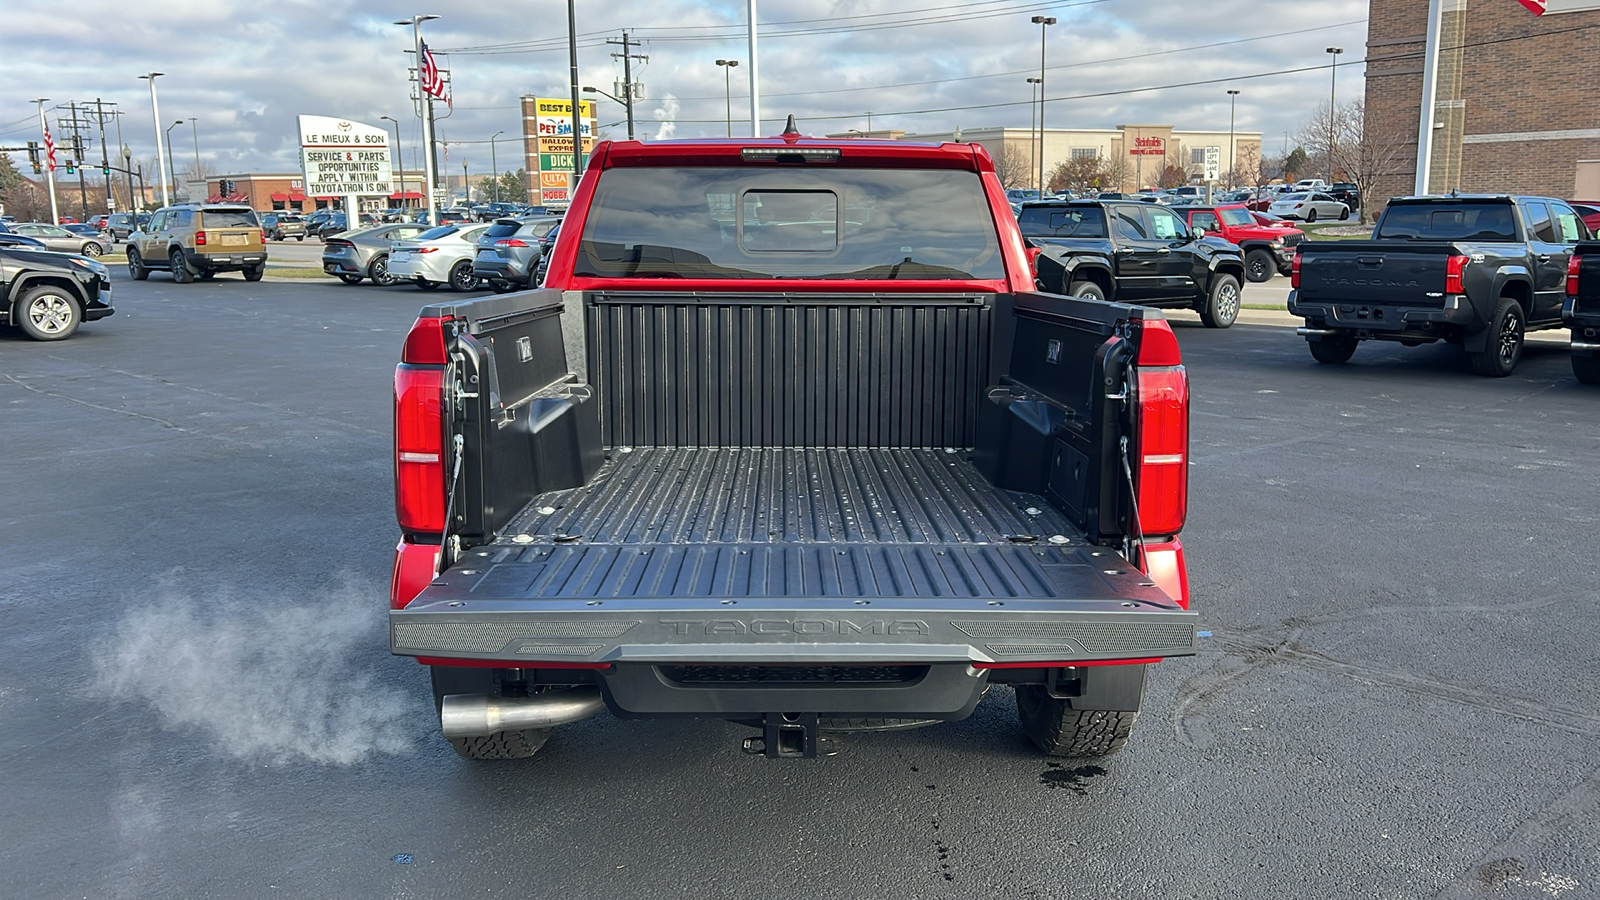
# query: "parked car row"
503, 255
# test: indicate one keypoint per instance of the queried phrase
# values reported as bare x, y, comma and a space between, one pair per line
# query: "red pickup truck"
1267, 248
789, 439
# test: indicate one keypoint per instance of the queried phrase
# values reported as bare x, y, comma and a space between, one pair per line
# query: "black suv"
1132, 252
48, 295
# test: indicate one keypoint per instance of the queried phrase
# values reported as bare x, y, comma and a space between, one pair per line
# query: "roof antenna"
790, 129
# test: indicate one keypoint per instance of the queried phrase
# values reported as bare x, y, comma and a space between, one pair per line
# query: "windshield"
766, 222
1447, 222
1062, 221
1235, 216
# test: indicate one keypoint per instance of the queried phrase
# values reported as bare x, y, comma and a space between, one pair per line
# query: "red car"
1589, 212
1267, 248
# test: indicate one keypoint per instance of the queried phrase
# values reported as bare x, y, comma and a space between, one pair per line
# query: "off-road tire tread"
1487, 361
1059, 730
516, 744
1077, 286
1334, 351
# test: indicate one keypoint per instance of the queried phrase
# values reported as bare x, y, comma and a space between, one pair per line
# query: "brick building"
1510, 113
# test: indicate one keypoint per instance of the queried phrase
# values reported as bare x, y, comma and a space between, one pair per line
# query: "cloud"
245, 71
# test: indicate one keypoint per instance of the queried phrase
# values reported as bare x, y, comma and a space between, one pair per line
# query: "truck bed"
791, 555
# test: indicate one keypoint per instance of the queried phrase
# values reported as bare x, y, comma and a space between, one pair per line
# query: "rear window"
229, 218
1447, 222
1293, 196
1063, 221
502, 229
759, 222
434, 234
537, 229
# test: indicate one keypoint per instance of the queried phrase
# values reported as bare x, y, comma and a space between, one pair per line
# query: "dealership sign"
342, 158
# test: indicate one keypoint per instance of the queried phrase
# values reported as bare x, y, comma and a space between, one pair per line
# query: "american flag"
432, 82
49, 148
1534, 6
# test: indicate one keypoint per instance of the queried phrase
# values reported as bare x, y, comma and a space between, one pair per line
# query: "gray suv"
508, 251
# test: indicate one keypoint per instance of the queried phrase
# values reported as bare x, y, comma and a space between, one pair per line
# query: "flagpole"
1430, 88
50, 170
430, 178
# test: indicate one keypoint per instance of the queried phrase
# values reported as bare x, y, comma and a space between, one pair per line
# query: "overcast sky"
245, 70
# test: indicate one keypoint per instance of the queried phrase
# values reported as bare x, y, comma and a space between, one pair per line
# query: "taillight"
1033, 259
199, 238
263, 236
511, 242
419, 498
1572, 275
1294, 271
1161, 452
424, 249
425, 343
1452, 274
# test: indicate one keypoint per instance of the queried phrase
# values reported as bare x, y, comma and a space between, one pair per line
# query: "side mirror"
1199, 233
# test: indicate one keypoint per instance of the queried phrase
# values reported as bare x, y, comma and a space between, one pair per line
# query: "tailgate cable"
450, 506
1133, 501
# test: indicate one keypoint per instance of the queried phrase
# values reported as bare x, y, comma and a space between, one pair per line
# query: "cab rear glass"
1448, 222
1063, 221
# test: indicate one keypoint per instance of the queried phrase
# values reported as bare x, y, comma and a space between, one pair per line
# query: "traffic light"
33, 157
70, 164
106, 171
77, 146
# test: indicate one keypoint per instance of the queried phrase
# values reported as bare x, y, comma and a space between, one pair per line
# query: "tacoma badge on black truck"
789, 439
1474, 270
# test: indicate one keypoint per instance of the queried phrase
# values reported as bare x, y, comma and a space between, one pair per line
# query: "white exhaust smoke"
667, 115
266, 679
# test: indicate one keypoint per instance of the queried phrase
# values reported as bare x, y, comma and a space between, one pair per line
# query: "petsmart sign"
341, 158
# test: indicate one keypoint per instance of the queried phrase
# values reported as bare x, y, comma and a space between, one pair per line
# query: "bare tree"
1246, 167
1012, 167
1362, 151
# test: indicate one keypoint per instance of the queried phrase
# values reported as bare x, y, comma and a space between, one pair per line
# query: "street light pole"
400, 160
195, 130
1333, 109
429, 176
727, 89
494, 166
127, 166
1233, 97
1033, 117
155, 120
1043, 22
167, 136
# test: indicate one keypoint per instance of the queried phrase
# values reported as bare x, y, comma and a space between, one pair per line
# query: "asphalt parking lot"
1395, 561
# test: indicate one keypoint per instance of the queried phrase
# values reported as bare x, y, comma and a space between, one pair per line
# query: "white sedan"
1308, 206
438, 256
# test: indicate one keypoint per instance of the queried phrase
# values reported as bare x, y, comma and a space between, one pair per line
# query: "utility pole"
105, 160
627, 74
77, 153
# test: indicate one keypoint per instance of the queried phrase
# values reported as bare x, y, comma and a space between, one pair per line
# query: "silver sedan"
54, 237
1308, 206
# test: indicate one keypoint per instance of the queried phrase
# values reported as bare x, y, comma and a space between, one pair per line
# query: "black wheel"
350, 279
48, 313
1333, 350
136, 269
1504, 347
379, 271
1259, 266
501, 287
299, 237
93, 249
1221, 306
516, 744
1059, 730
461, 277
254, 273
1586, 368
206, 276
427, 285
1088, 290
180, 269
1311, 215
1344, 214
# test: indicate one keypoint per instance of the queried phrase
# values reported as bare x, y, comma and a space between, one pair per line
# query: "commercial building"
1511, 112
269, 191
1126, 158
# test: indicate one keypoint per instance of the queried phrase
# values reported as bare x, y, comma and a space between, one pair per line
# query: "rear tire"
461, 277
501, 287
180, 269
1059, 730
1333, 350
254, 273
1504, 349
1259, 266
1586, 369
136, 268
1221, 307
1088, 290
93, 249
379, 271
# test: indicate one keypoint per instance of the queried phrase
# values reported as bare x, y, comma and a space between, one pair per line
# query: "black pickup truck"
1581, 312
1133, 252
1475, 270
789, 439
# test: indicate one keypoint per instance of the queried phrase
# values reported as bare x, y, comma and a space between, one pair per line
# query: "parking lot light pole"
400, 160
127, 167
1043, 22
1233, 97
427, 119
155, 120
1033, 118
1333, 109
494, 167
727, 88
194, 130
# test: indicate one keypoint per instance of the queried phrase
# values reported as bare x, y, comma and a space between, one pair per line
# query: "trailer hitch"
791, 736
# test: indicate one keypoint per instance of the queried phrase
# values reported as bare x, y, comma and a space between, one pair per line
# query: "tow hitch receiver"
791, 735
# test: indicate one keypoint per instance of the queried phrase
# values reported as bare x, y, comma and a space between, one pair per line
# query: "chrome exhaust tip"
476, 715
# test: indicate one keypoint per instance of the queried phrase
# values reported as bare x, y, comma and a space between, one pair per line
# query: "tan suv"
198, 241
